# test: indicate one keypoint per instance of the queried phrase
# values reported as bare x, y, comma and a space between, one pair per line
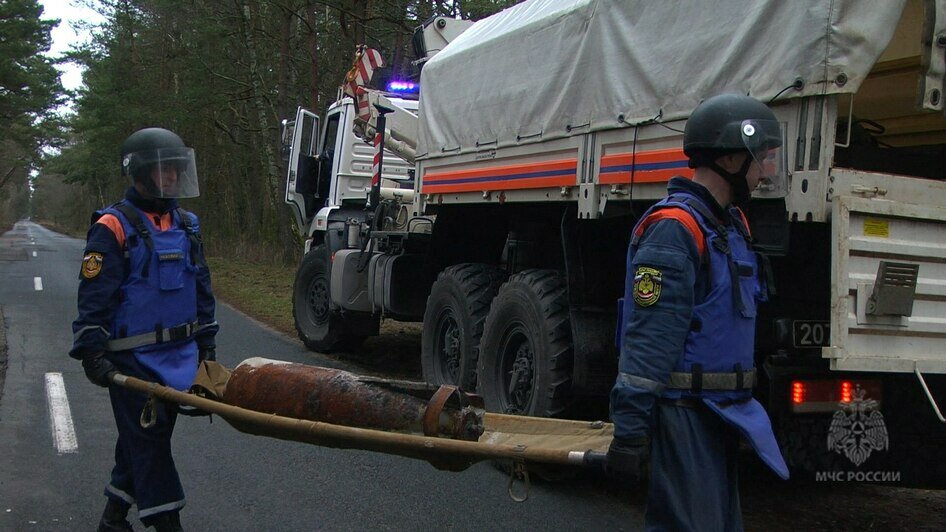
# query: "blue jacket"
121, 295
692, 286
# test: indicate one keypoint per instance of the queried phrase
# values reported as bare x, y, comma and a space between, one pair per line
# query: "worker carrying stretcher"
684, 392
146, 309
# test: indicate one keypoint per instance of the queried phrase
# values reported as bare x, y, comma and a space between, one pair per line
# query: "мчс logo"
858, 429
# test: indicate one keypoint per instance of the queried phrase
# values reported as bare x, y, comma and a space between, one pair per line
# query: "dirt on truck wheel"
526, 351
453, 323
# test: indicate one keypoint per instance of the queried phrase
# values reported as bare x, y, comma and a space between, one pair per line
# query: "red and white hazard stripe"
376, 165
361, 101
370, 60
367, 60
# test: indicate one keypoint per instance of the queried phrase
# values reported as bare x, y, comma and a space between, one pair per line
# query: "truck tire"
453, 323
321, 327
526, 353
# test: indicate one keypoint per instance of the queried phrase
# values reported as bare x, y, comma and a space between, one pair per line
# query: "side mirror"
286, 128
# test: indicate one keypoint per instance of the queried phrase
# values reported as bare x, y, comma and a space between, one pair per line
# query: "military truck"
509, 188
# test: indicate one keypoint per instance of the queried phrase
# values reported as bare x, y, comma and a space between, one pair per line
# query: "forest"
222, 74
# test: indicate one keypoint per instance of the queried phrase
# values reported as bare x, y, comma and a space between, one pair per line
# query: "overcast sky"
65, 35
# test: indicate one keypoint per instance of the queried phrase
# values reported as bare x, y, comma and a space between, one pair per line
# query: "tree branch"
6, 178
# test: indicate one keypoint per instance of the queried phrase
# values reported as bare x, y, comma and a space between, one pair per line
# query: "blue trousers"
144, 472
693, 475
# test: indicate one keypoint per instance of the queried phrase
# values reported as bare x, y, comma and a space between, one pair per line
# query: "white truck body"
492, 120
543, 131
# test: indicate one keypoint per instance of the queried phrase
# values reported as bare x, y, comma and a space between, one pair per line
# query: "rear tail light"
847, 391
829, 395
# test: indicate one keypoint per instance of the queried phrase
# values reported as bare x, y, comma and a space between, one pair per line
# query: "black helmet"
153, 147
728, 123
731, 123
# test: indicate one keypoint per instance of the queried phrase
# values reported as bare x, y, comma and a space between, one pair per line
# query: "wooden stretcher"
521, 440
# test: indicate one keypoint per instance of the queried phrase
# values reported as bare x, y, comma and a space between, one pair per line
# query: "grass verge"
264, 292
261, 291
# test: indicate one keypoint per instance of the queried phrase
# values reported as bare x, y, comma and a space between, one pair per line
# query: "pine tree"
29, 91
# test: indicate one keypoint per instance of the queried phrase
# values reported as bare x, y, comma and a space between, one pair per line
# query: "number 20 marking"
812, 333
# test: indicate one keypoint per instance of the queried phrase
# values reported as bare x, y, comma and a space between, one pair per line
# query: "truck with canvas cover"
541, 134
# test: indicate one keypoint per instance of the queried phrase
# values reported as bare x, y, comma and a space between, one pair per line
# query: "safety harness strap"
741, 223
197, 258
722, 244
143, 232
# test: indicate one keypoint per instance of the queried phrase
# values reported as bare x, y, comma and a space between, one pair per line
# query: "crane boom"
401, 128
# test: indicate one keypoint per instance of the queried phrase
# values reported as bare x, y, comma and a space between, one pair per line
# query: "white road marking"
34, 253
38, 283
60, 415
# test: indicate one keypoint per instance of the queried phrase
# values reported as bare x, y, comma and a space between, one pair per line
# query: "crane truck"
509, 188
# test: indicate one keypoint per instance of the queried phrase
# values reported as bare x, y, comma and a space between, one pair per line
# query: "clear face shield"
763, 140
165, 173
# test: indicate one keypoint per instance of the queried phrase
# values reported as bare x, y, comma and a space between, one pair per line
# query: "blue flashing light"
402, 86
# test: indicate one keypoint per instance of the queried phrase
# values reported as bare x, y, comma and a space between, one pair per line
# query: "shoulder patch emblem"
91, 265
647, 286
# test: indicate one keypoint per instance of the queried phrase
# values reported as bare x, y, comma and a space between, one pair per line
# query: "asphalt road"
239, 482
233, 481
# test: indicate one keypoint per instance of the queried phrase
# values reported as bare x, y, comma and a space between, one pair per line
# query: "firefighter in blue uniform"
145, 310
683, 396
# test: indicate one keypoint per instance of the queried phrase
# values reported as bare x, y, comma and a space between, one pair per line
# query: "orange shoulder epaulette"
680, 215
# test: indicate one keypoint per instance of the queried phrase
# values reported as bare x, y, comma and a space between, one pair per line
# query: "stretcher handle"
593, 460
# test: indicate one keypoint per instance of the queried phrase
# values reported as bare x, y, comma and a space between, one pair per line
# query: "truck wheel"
453, 323
526, 351
320, 327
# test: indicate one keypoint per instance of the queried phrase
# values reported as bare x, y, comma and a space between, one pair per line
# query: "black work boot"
167, 522
114, 517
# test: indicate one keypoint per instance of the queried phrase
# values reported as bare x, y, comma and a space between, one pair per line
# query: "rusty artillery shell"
341, 398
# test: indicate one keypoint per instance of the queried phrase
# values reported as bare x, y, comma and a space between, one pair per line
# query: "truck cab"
330, 167
328, 182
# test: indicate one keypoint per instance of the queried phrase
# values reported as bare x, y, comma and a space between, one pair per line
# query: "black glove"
627, 460
98, 369
206, 353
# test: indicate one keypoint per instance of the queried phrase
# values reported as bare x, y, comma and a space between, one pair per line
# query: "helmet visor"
166, 172
763, 140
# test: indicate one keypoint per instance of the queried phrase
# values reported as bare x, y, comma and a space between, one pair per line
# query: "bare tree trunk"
282, 77
272, 211
314, 100
263, 109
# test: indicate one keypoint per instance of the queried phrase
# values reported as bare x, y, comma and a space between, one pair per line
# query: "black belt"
692, 402
684, 402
